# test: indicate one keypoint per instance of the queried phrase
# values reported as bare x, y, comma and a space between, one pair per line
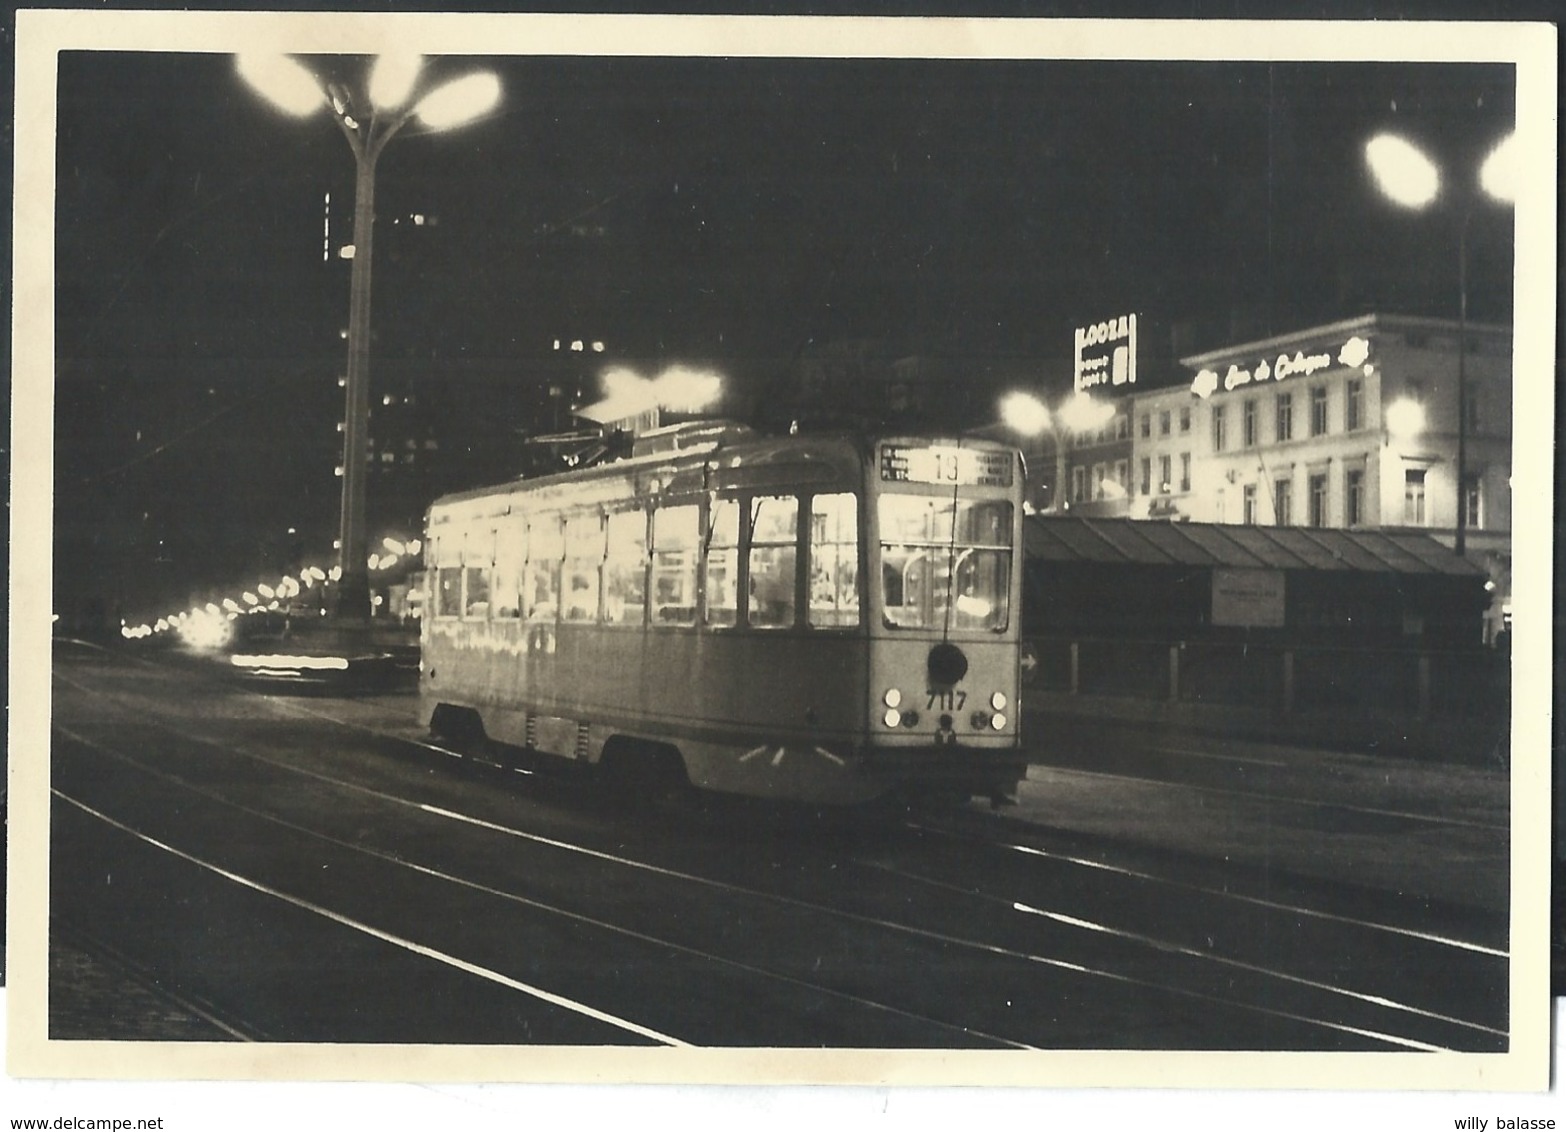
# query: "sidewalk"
1417, 828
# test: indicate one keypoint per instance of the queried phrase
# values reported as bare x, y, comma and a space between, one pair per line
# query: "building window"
1145, 426
1414, 497
1354, 410
1163, 423
1248, 423
1249, 500
1078, 483
1282, 500
1099, 472
1353, 497
1185, 471
1122, 475
1163, 475
1147, 475
1318, 411
1285, 416
1471, 410
1123, 428
1185, 418
1473, 513
1220, 432
1318, 500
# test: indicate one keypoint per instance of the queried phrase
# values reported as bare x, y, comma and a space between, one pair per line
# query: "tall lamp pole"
369, 118
1409, 178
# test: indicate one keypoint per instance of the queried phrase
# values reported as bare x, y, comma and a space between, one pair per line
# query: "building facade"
1352, 425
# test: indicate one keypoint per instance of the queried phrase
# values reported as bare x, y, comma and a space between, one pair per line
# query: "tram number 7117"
946, 699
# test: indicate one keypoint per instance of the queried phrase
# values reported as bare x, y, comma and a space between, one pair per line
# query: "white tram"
827, 619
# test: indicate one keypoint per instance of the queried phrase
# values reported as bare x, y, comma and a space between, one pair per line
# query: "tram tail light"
998, 721
892, 718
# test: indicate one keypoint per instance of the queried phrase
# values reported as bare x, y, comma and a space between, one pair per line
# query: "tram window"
448, 591
933, 577
584, 559
476, 592
510, 554
774, 524
834, 560
676, 546
625, 569
723, 563
541, 589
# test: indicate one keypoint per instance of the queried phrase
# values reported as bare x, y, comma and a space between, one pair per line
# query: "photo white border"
42, 34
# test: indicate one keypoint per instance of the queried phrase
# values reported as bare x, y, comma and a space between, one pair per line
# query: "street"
256, 866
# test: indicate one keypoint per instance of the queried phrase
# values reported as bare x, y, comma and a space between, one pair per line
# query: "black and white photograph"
770, 551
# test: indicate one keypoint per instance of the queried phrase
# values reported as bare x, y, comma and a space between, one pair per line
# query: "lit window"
541, 594
625, 569
510, 556
477, 560
723, 563
774, 525
584, 560
834, 560
676, 542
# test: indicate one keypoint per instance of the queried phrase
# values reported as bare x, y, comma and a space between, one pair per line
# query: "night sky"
742, 214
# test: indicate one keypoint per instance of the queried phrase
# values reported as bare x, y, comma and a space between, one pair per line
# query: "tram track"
817, 909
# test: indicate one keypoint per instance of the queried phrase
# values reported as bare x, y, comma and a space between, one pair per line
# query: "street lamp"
1409, 178
1025, 414
394, 92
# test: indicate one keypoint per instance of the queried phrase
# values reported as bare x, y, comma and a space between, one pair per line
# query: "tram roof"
1052, 538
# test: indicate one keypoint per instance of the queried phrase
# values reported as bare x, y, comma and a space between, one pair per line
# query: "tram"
823, 619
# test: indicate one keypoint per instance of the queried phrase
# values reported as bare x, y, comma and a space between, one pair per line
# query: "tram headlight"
998, 721
892, 717
893, 698
998, 701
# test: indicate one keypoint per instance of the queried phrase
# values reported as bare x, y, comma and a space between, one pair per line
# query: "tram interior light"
893, 697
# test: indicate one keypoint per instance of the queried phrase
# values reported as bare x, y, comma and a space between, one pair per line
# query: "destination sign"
944, 464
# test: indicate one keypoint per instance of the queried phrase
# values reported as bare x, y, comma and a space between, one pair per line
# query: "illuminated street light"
1406, 176
394, 92
1026, 415
1405, 419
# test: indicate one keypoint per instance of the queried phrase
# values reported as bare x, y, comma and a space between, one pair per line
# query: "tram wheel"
641, 774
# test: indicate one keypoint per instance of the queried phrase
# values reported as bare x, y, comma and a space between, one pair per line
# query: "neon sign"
1105, 353
1207, 382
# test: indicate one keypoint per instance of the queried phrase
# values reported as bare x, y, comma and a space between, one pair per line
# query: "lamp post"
1027, 415
369, 118
1407, 177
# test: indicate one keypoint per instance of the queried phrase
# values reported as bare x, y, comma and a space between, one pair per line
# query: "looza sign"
1106, 353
